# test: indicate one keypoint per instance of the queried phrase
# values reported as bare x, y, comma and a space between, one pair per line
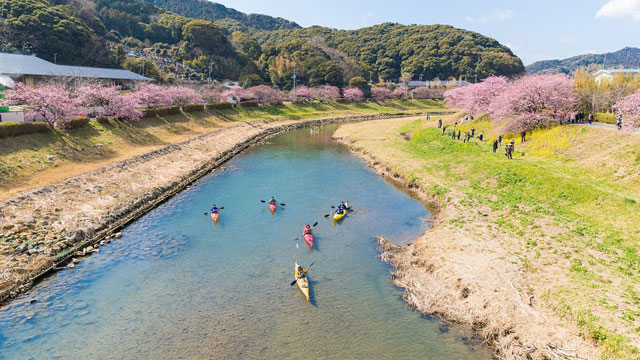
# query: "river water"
174, 286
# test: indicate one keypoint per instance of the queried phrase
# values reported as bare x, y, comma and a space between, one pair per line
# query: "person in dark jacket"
439, 123
523, 136
495, 146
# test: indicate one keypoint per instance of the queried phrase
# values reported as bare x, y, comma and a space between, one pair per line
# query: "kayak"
338, 217
308, 238
215, 217
303, 283
273, 207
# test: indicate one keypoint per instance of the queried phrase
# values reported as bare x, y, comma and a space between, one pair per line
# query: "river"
176, 286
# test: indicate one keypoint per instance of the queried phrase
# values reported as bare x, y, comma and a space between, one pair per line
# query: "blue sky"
534, 29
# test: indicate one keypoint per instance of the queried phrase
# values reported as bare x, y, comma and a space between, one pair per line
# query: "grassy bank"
35, 160
564, 211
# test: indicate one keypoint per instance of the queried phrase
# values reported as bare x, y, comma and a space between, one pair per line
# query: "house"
608, 74
31, 70
436, 83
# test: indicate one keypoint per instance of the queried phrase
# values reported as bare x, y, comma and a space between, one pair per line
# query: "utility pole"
142, 67
55, 58
210, 69
295, 78
370, 77
475, 78
421, 75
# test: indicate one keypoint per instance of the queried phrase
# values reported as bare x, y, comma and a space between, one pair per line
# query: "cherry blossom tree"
109, 103
329, 92
353, 94
476, 98
303, 93
630, 107
181, 95
236, 94
154, 95
380, 93
400, 92
213, 96
265, 94
48, 103
529, 101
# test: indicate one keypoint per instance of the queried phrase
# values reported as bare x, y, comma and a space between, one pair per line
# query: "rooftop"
619, 71
15, 64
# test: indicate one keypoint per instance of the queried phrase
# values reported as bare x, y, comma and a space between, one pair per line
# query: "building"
608, 74
31, 70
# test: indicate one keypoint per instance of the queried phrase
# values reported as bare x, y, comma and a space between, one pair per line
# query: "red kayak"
273, 207
308, 238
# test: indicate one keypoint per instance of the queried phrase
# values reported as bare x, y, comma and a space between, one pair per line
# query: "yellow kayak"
338, 217
302, 282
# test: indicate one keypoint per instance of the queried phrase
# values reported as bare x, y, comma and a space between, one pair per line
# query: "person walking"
508, 149
523, 136
458, 134
473, 132
481, 136
591, 118
444, 128
619, 122
500, 140
495, 146
439, 123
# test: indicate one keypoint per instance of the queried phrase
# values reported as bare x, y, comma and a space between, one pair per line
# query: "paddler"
301, 273
273, 201
214, 209
342, 206
307, 230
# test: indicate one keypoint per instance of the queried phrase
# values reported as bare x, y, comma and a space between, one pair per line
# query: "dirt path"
464, 268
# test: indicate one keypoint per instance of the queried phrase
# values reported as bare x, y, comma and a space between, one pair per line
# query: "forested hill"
392, 50
224, 16
627, 58
126, 33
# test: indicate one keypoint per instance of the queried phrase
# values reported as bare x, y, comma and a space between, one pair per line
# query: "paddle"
262, 201
207, 213
308, 267
314, 225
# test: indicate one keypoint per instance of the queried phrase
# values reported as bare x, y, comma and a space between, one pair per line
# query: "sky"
533, 29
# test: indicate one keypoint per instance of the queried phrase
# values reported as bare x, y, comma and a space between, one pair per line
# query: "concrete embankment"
51, 227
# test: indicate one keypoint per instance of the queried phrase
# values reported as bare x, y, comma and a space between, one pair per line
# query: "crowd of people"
456, 134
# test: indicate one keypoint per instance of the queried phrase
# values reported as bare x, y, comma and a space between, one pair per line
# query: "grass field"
568, 205
31, 161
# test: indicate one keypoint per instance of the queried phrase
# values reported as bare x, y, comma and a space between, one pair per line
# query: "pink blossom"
303, 92
630, 107
353, 94
380, 93
400, 92
213, 96
236, 94
527, 102
154, 95
265, 94
110, 102
48, 103
476, 98
328, 92
181, 95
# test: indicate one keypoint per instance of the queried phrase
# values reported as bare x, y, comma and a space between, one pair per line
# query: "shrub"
605, 118
192, 107
248, 103
8, 129
219, 106
72, 123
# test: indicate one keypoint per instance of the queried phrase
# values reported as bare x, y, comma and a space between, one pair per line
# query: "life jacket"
306, 231
215, 210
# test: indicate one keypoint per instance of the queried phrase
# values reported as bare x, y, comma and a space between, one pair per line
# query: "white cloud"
615, 9
498, 15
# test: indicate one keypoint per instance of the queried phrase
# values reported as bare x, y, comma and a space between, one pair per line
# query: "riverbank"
538, 255
53, 226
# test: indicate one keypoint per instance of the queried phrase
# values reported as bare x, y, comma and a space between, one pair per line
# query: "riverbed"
176, 286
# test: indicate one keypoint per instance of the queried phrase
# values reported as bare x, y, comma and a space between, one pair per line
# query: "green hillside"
626, 58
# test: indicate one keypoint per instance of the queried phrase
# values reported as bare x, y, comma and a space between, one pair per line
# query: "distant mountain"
628, 58
224, 16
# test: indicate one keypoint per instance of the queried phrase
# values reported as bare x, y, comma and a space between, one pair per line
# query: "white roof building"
28, 68
608, 74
